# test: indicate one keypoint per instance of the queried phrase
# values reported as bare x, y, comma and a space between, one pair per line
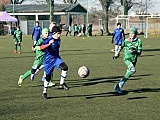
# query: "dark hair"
118, 24
37, 22
55, 29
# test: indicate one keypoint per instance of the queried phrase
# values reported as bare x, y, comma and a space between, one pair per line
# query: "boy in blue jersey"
118, 37
52, 24
52, 59
36, 32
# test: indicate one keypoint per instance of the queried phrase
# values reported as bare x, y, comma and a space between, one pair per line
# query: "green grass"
92, 98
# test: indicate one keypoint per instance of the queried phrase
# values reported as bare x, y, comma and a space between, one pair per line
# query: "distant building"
67, 14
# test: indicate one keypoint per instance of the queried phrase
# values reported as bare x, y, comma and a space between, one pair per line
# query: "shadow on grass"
17, 57
91, 96
109, 79
112, 94
135, 98
150, 55
143, 90
150, 50
97, 80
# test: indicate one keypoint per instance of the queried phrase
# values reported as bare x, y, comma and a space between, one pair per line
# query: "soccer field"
91, 98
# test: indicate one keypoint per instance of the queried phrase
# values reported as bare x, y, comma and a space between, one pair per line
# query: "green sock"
19, 48
28, 73
127, 75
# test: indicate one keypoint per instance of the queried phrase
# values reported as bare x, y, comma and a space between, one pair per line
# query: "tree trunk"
105, 6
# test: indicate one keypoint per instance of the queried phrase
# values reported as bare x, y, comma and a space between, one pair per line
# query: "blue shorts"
118, 42
36, 38
50, 65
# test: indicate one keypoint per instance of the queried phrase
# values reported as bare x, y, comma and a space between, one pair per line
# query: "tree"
2, 8
105, 7
127, 5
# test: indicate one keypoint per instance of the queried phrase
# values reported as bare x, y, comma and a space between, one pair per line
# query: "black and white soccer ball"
83, 71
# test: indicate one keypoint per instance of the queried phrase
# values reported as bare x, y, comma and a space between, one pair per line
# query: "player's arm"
14, 35
32, 33
139, 48
21, 36
123, 35
112, 38
42, 47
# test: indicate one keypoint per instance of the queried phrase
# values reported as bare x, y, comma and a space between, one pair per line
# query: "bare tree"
2, 8
105, 7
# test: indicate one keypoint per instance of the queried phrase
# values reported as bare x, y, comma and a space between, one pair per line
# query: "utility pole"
51, 10
13, 6
123, 14
146, 26
87, 12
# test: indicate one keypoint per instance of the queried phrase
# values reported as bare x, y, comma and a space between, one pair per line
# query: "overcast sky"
95, 3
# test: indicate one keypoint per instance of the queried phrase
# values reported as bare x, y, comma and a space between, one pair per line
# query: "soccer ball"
83, 71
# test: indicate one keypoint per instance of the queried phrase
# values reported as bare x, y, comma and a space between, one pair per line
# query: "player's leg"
23, 77
19, 47
48, 69
51, 84
130, 71
116, 50
15, 46
64, 73
45, 87
35, 67
119, 47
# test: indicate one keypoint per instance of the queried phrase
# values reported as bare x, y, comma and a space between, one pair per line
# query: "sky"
155, 8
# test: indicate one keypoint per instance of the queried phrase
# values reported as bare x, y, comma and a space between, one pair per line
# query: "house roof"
40, 8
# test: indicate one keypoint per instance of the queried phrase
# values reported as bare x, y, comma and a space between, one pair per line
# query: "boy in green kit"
38, 61
17, 40
133, 48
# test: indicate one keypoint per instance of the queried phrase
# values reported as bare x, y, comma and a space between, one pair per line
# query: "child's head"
52, 24
118, 25
56, 32
133, 32
37, 23
18, 28
45, 32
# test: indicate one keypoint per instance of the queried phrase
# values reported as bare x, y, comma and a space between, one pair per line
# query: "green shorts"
17, 41
37, 63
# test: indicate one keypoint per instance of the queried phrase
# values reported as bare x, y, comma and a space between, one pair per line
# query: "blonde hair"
52, 24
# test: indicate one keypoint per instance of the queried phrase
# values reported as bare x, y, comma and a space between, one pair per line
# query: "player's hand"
33, 49
134, 51
51, 41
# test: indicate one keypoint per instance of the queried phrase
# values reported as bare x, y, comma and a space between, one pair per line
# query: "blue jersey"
118, 32
36, 32
52, 58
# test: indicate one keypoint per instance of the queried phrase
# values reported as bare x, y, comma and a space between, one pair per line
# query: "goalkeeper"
132, 49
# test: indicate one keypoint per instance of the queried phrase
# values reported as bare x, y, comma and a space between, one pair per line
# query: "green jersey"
129, 46
18, 36
76, 28
40, 53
